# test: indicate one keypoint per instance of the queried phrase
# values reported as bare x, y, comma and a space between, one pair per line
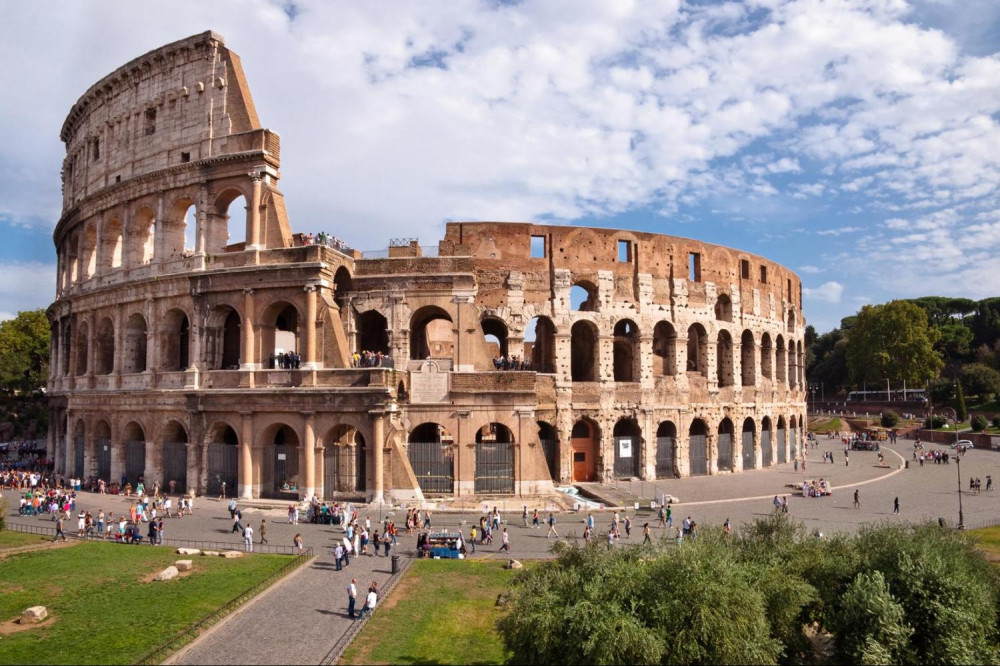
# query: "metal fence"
223, 466
175, 465
104, 459
434, 466
135, 460
494, 468
749, 461
766, 457
724, 459
781, 446
280, 470
626, 457
78, 457
698, 455
343, 469
665, 458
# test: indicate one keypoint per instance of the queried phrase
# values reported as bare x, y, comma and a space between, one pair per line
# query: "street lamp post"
958, 464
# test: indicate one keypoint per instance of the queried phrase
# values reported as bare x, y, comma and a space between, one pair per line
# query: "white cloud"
839, 231
828, 292
25, 286
810, 270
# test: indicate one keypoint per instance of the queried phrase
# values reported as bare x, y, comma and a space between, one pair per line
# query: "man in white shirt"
248, 537
369, 603
352, 597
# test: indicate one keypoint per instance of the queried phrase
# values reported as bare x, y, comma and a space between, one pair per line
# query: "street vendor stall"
444, 545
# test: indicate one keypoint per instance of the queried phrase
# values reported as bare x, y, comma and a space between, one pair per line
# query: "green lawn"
988, 538
9, 539
103, 611
827, 425
441, 612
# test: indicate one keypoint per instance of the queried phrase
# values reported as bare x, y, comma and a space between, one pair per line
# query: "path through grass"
104, 612
10, 539
441, 612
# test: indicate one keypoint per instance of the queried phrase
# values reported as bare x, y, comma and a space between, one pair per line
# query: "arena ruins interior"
198, 339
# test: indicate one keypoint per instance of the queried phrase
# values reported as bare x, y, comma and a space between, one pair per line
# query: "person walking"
338, 556
237, 522
552, 526
352, 597
263, 531
59, 530
299, 544
524, 514
857, 499
505, 546
645, 535
895, 505
248, 538
222, 493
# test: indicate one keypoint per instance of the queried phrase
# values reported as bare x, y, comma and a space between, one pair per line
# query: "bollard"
395, 564
906, 464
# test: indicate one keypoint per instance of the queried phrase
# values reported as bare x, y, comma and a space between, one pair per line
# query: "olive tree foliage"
890, 594
24, 351
893, 341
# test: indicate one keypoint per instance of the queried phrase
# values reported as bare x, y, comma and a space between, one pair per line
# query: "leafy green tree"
981, 380
24, 352
890, 419
828, 360
954, 341
960, 411
892, 341
979, 423
870, 627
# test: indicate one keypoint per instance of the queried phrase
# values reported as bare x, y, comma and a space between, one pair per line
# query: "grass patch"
829, 425
988, 539
9, 539
104, 613
441, 612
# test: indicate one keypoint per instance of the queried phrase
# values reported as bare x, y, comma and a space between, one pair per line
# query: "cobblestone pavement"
301, 618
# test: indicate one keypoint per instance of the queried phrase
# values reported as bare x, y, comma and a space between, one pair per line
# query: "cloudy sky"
855, 141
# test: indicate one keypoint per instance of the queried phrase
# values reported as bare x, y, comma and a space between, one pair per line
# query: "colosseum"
199, 340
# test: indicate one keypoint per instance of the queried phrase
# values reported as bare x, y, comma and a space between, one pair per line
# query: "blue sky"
854, 141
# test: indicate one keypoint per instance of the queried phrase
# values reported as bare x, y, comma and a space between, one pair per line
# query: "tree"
870, 627
828, 360
890, 419
24, 352
979, 423
892, 341
981, 380
960, 411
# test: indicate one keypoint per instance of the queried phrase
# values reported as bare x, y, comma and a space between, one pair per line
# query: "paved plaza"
300, 619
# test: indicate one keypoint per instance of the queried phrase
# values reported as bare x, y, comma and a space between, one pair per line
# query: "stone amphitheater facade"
677, 358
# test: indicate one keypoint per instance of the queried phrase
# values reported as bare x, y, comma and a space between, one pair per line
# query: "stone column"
320, 453
91, 350
309, 330
711, 365
308, 484
197, 474
253, 213
117, 455
247, 356
119, 349
378, 457
201, 219
154, 463
246, 458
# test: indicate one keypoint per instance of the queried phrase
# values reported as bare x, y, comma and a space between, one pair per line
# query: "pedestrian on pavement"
59, 530
645, 535
895, 505
670, 516
472, 538
338, 556
352, 597
784, 504
552, 526
237, 521
628, 527
524, 514
152, 533
263, 531
534, 520
857, 499
387, 541
370, 602
159, 530
506, 542
222, 494
248, 538
347, 552
727, 527
299, 544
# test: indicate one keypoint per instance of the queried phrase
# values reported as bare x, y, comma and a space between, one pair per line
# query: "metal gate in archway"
135, 461
626, 456
795, 444
766, 457
782, 457
280, 472
494, 468
698, 454
433, 464
749, 461
175, 466
343, 469
665, 458
78, 458
725, 452
222, 467
104, 459
550, 447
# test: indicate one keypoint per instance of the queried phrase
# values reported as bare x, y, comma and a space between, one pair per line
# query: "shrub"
996, 421
890, 419
979, 422
935, 422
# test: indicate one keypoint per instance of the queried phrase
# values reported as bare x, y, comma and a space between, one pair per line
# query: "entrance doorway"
583, 442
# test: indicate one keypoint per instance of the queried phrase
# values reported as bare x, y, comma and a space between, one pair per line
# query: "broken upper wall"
585, 251
182, 102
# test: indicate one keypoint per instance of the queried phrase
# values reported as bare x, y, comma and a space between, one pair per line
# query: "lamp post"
958, 464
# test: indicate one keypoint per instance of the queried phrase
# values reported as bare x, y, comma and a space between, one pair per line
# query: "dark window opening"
97, 149
150, 122
744, 269
763, 274
185, 157
538, 247
118, 179
694, 267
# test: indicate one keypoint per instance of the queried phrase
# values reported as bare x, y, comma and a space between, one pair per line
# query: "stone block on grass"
183, 565
231, 554
34, 615
167, 574
188, 551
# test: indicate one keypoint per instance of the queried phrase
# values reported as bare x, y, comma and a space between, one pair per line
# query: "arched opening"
791, 321
178, 231
583, 297
112, 244
62, 341
766, 356
82, 348
280, 471
628, 448
698, 448
229, 342
540, 333
549, 439
134, 354
793, 440
342, 286
344, 461
280, 335
749, 434
626, 351
176, 341
102, 442
724, 449
432, 334
175, 458
495, 334
583, 352
372, 336
190, 228
135, 453
664, 349
104, 348
782, 452
780, 360
79, 442
72, 255
88, 251
223, 462
748, 353
227, 230
431, 452
494, 460
724, 308
141, 238
800, 365
724, 359
666, 450
697, 350
793, 370
766, 452
583, 442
